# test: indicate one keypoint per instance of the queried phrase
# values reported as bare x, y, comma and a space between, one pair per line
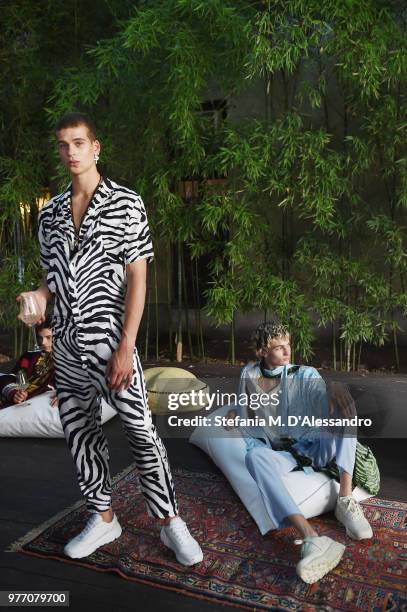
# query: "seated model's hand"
40, 300
340, 399
230, 415
20, 396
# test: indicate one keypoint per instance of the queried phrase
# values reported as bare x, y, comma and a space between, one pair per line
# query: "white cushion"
36, 418
313, 493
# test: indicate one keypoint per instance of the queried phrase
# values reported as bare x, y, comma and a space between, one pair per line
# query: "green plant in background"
37, 41
298, 204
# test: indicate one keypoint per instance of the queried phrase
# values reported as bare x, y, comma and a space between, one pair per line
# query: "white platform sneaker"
96, 533
319, 555
176, 536
349, 512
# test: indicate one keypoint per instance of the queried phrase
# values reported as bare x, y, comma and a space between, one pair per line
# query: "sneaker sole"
197, 559
313, 572
116, 533
352, 535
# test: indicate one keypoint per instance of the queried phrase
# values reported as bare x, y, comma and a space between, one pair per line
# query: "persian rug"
241, 568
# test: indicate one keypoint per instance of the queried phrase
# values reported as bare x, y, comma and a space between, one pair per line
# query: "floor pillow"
163, 382
36, 418
314, 493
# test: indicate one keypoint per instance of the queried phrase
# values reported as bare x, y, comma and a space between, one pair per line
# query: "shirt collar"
103, 191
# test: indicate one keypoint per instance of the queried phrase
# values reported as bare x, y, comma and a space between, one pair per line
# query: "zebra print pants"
80, 363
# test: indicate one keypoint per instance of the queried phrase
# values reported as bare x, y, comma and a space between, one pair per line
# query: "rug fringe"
18, 544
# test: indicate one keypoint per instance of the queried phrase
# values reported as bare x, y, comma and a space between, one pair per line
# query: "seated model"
38, 366
275, 449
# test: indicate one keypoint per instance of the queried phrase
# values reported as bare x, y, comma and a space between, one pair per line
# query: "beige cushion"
163, 381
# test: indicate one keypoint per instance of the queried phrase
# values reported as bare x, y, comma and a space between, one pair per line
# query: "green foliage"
308, 215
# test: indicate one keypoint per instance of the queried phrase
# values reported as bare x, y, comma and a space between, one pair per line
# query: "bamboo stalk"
169, 299
333, 345
396, 349
360, 353
186, 307
15, 347
232, 339
195, 302
157, 352
147, 324
179, 330
200, 329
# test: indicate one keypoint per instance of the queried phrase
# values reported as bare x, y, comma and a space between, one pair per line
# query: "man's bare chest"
79, 207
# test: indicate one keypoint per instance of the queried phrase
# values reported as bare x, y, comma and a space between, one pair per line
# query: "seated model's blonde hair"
268, 331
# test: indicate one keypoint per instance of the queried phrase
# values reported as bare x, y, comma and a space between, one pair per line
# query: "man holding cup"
95, 245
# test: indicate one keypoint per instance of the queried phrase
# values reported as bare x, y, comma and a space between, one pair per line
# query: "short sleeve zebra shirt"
87, 270
137, 239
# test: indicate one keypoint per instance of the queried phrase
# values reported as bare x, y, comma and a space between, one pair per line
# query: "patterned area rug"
241, 568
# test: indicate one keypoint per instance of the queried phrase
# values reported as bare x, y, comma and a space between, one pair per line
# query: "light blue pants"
267, 466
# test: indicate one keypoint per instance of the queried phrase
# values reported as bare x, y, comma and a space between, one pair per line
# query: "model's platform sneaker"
319, 555
349, 512
176, 536
96, 533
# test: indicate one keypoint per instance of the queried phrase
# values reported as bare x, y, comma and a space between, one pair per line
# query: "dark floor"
38, 481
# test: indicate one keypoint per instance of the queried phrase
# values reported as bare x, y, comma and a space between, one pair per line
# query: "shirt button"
84, 366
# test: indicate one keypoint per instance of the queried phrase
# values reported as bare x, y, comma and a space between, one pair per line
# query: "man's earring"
96, 157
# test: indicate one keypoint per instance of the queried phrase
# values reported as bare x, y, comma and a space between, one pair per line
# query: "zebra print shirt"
88, 275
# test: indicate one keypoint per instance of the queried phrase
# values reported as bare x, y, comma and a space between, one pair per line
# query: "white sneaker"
177, 537
319, 554
349, 512
96, 533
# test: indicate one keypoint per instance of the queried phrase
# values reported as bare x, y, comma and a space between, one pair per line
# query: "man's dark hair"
47, 324
268, 331
75, 119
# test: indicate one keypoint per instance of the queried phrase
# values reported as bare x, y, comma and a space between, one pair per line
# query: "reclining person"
38, 366
275, 450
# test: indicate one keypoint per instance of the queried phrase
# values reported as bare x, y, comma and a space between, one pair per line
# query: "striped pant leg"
147, 447
79, 406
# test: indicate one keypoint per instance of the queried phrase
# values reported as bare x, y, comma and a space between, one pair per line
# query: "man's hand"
20, 396
40, 301
340, 398
230, 415
119, 370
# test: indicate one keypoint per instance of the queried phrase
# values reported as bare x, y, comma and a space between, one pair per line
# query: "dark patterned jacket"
39, 368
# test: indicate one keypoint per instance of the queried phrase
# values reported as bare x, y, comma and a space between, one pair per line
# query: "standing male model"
95, 245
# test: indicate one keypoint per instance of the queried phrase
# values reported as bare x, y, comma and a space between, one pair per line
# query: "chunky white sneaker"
349, 512
319, 554
96, 533
177, 537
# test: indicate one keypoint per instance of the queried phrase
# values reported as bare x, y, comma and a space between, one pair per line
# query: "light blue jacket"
301, 393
